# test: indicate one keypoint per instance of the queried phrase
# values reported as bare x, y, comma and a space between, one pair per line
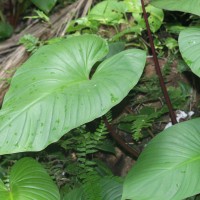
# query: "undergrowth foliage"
86, 144
86, 77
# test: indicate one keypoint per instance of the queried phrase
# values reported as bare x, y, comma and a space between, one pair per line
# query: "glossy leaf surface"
191, 6
189, 45
53, 92
29, 180
169, 166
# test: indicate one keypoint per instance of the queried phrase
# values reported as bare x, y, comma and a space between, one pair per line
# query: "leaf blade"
52, 92
29, 180
191, 6
169, 166
189, 46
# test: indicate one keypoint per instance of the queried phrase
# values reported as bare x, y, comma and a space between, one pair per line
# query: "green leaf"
111, 188
155, 18
106, 146
46, 5
29, 180
75, 194
106, 12
189, 45
171, 43
3, 191
6, 30
169, 166
114, 48
174, 28
53, 93
191, 6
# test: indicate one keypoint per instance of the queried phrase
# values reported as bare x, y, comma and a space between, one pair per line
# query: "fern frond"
137, 123
141, 122
100, 134
108, 116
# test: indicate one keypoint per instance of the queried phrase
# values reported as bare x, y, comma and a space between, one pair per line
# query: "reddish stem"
157, 67
120, 141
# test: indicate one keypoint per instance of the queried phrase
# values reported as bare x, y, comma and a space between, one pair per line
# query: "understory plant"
62, 86
122, 19
57, 90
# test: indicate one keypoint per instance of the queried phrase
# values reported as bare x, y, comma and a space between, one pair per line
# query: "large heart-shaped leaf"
191, 6
169, 166
29, 180
53, 93
189, 45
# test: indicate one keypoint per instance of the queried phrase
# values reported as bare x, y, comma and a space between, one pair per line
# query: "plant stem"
157, 67
120, 141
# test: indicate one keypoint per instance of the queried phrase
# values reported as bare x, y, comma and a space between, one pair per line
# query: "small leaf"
169, 166
155, 18
191, 6
106, 12
29, 180
46, 5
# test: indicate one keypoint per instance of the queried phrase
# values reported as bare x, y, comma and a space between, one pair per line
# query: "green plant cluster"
75, 80
123, 17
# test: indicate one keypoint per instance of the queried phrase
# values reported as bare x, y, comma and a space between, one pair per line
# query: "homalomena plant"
169, 166
29, 180
56, 90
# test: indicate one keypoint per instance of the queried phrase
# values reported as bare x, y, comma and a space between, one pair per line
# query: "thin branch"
120, 141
